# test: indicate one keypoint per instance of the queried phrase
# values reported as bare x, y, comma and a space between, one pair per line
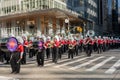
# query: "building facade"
32, 17
109, 18
88, 10
115, 17
91, 13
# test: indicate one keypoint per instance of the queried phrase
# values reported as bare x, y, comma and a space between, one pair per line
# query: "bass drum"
8, 44
35, 45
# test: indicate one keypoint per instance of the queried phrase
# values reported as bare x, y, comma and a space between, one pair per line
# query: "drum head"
40, 45
12, 44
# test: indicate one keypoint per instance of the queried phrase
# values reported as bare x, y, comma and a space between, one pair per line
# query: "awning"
54, 12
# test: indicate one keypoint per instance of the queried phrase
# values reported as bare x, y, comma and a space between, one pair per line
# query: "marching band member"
55, 45
63, 45
60, 48
17, 56
95, 46
76, 44
71, 47
48, 46
88, 42
66, 44
81, 43
40, 52
107, 43
31, 50
100, 44
23, 61
7, 56
104, 44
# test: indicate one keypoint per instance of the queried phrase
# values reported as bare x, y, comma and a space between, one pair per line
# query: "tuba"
91, 33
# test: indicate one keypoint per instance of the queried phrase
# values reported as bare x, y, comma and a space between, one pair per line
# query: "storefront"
51, 21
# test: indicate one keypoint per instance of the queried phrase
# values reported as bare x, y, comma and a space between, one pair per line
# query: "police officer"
40, 52
17, 56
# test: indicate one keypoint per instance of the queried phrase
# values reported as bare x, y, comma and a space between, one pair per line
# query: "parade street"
105, 66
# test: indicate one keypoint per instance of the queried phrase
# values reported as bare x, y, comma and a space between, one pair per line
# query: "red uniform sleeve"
20, 48
57, 43
26, 42
74, 42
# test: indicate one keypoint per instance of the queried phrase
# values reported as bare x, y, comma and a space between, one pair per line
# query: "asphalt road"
105, 66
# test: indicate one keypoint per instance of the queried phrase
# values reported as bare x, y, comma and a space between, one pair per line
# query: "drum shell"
3, 45
35, 45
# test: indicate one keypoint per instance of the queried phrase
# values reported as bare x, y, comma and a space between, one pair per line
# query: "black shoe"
7, 63
16, 72
12, 72
38, 65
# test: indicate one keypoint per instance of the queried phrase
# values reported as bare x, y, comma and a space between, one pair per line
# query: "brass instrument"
71, 46
60, 45
30, 46
49, 45
52, 44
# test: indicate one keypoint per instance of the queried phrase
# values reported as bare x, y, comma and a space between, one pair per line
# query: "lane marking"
100, 64
87, 63
72, 62
7, 78
113, 68
63, 60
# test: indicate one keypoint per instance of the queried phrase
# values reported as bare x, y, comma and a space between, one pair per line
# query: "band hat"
96, 37
57, 37
11, 35
48, 38
43, 37
20, 40
24, 36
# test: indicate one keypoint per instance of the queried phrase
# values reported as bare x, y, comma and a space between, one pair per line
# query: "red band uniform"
100, 44
89, 45
16, 58
71, 49
55, 50
48, 46
23, 61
